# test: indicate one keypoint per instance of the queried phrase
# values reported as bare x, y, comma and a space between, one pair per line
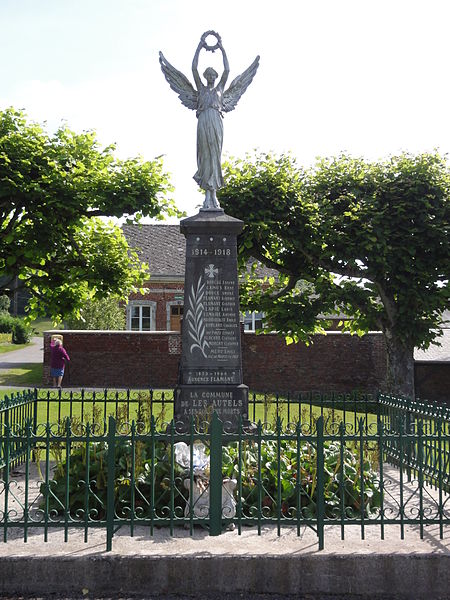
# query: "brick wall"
433, 381
337, 362
118, 358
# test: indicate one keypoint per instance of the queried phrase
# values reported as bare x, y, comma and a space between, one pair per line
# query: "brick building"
163, 248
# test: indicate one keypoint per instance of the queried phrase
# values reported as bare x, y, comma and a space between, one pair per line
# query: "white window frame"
142, 303
253, 315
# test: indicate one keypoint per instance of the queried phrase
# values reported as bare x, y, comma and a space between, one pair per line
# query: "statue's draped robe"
209, 138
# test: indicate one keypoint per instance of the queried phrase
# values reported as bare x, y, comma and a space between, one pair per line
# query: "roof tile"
163, 248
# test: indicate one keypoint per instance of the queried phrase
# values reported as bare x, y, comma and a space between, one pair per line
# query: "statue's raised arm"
210, 101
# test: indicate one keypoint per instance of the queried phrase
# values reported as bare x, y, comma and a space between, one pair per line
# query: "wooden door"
176, 312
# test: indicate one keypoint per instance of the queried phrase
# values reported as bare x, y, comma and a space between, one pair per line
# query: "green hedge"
21, 331
6, 323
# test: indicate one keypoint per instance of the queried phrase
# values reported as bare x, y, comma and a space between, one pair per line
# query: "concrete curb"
421, 576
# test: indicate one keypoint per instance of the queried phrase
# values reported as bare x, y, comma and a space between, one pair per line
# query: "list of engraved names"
221, 320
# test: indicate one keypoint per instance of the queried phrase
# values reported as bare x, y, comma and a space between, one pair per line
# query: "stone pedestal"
211, 362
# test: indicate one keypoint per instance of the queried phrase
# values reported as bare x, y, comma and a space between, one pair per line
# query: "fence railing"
307, 465
56, 404
15, 411
420, 428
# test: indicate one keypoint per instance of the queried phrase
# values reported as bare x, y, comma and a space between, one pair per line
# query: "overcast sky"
369, 77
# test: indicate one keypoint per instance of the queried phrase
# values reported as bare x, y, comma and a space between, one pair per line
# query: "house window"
253, 321
141, 316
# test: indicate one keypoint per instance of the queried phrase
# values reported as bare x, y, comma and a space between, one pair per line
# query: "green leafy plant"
6, 323
104, 313
20, 331
152, 472
284, 480
276, 477
152, 467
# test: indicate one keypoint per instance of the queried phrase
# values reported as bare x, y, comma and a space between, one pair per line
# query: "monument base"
228, 401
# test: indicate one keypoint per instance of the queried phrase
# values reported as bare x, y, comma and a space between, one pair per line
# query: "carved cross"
211, 270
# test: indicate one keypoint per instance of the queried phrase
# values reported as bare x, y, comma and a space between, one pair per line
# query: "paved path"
34, 353
212, 567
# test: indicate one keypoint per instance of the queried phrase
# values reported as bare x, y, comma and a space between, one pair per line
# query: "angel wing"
238, 86
179, 83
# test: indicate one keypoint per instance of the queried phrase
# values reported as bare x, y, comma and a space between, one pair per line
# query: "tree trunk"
400, 366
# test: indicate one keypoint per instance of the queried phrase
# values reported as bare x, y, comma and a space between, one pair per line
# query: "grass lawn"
31, 375
9, 347
27, 375
54, 410
6, 344
41, 325
8, 392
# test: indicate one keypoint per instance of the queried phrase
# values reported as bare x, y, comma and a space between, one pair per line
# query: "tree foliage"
5, 303
54, 190
105, 313
367, 239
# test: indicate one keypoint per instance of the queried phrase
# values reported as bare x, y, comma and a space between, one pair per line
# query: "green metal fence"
314, 461
55, 404
420, 444
15, 411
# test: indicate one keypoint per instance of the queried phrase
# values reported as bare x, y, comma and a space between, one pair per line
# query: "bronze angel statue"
209, 101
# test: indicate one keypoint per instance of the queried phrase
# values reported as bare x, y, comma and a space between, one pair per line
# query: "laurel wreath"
194, 317
207, 46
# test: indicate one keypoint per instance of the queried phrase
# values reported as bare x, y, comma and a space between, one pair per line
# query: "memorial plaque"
211, 362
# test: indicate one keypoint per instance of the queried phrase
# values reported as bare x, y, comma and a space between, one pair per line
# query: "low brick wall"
125, 359
433, 381
333, 362
337, 362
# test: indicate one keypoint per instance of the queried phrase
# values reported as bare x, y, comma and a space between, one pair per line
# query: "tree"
4, 303
106, 313
54, 191
369, 239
